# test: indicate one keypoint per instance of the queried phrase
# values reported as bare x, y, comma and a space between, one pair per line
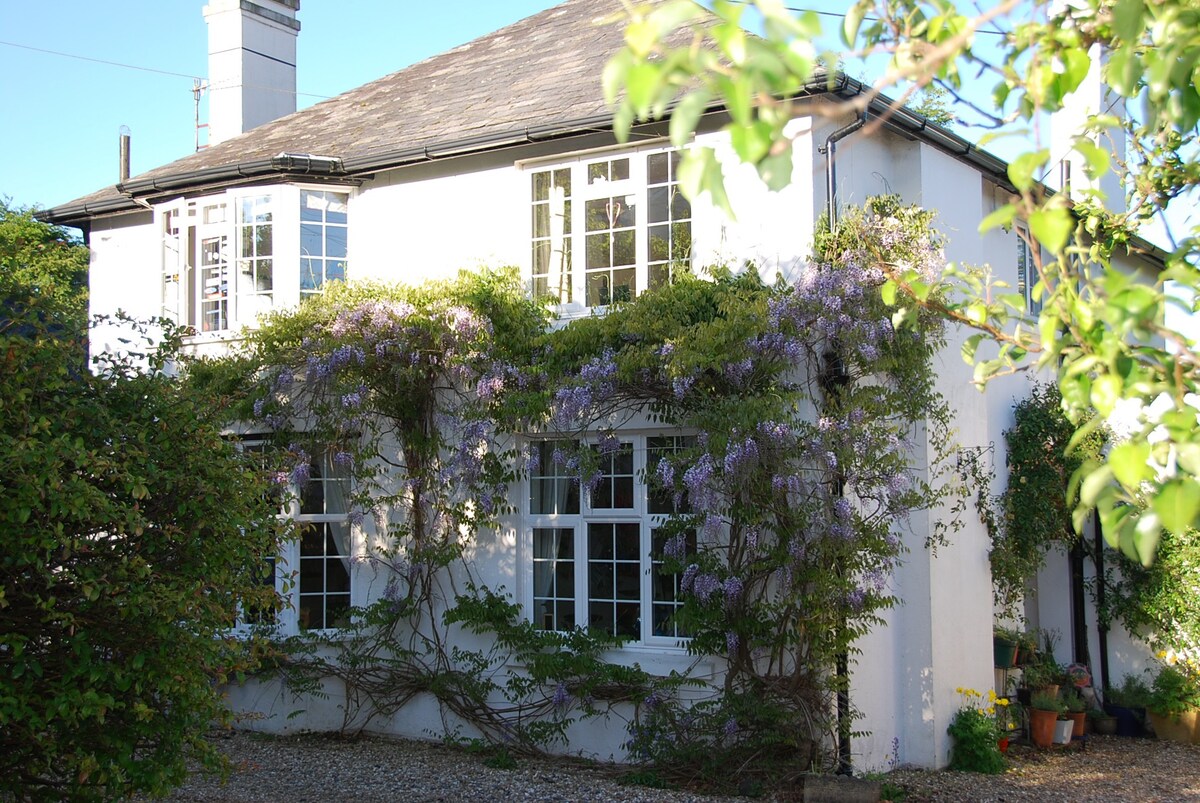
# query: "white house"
457, 161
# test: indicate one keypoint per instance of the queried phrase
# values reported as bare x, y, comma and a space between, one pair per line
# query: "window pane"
624, 248
335, 242
599, 289
263, 281
541, 220
310, 274
541, 186
628, 620
598, 251
628, 542
656, 168
620, 169
658, 204
624, 285
596, 214
310, 240
311, 612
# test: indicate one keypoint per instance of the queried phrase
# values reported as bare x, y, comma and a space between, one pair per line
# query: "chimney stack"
251, 64
123, 158
1092, 97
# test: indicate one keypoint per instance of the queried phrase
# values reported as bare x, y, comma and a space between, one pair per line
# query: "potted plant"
1043, 676
1076, 711
1028, 646
1127, 703
1063, 728
1103, 724
1004, 647
1174, 702
1045, 709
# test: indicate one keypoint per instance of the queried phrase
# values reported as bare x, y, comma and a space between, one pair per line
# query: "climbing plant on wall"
1041, 461
806, 429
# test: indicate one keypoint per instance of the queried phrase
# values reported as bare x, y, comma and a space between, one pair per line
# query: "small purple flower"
301, 472
732, 641
343, 459
731, 726
562, 696
705, 586
689, 577
675, 547
733, 590
666, 472
259, 406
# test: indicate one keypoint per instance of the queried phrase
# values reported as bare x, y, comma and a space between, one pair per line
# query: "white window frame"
1027, 271
288, 563
578, 522
179, 298
635, 188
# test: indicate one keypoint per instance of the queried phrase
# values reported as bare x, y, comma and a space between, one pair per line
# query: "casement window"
606, 228
313, 575
1027, 272
229, 258
596, 555
323, 553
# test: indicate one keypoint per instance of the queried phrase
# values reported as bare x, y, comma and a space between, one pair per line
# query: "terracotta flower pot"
1079, 720
1003, 744
1184, 727
1041, 727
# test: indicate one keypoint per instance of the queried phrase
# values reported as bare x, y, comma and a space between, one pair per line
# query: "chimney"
251, 64
123, 154
1092, 97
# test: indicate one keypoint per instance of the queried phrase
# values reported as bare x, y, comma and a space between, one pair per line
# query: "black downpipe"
1078, 605
830, 151
837, 372
1101, 593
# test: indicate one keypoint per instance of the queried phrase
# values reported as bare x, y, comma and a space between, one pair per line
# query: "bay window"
605, 229
229, 258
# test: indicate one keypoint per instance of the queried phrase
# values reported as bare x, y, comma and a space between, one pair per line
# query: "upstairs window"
1027, 270
322, 240
228, 259
605, 229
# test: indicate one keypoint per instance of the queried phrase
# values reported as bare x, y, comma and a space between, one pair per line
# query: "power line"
843, 16
136, 67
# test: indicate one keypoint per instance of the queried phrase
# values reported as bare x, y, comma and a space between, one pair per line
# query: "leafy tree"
933, 103
1101, 332
46, 258
132, 530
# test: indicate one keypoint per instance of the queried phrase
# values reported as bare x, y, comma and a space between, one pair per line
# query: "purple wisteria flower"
733, 591
562, 696
731, 727
732, 641
675, 547
705, 586
688, 580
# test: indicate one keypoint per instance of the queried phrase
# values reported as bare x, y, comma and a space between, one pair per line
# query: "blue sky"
62, 115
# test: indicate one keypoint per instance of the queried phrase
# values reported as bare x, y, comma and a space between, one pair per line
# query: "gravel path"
314, 769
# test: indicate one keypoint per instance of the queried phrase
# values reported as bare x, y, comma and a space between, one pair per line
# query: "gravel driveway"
313, 768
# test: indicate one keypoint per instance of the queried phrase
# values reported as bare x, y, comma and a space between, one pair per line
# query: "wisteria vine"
809, 429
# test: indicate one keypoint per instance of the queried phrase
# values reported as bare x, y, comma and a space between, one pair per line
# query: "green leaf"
776, 170
888, 292
1130, 463
1177, 503
1106, 390
1051, 227
853, 21
1127, 20
1022, 171
686, 116
700, 172
1003, 216
1146, 535
969, 347
1095, 483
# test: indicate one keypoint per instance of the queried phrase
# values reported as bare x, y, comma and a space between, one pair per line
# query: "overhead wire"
142, 69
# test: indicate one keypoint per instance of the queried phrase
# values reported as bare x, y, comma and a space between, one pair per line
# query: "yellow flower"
1002, 701
990, 711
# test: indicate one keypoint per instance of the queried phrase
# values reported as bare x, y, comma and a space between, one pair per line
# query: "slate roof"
540, 74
